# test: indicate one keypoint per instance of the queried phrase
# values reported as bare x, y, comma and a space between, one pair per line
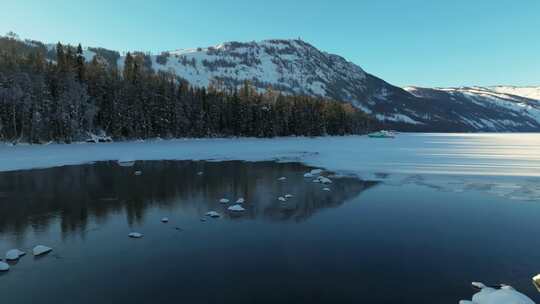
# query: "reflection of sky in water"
475, 154
505, 165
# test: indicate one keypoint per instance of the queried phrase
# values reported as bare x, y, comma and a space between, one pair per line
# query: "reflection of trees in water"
72, 194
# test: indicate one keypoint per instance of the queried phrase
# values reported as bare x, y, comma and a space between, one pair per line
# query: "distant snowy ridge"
527, 92
489, 108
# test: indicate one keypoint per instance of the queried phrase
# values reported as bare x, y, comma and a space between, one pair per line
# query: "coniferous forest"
67, 99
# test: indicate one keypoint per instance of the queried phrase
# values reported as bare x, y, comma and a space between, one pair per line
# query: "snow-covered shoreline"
418, 153
503, 164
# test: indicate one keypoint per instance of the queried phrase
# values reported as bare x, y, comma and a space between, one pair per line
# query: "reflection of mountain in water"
73, 194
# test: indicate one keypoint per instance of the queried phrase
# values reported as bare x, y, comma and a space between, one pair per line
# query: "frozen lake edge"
510, 157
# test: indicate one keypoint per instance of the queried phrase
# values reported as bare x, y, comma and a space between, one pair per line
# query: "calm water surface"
363, 242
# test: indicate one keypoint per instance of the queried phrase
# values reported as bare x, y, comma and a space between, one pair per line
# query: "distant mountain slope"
527, 92
296, 67
486, 109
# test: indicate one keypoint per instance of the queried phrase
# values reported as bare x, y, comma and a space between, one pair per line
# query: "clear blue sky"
406, 42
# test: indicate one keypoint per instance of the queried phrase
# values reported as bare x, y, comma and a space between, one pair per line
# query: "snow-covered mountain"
527, 92
296, 67
488, 108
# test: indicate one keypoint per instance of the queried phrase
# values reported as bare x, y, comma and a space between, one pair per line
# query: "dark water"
363, 242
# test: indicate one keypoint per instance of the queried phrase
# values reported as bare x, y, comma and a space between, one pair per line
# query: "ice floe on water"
236, 208
14, 254
503, 294
432, 155
511, 188
315, 172
224, 201
213, 214
326, 189
138, 173
41, 250
282, 199
4, 266
322, 180
240, 200
283, 178
165, 220
135, 235
288, 195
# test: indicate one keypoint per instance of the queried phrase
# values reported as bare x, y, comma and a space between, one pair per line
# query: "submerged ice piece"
224, 201
313, 173
316, 171
135, 235
213, 214
322, 180
4, 266
14, 254
503, 294
40, 250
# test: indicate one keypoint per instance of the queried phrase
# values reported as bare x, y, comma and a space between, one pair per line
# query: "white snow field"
511, 161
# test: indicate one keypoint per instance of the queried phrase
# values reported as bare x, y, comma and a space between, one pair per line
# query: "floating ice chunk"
40, 249
281, 199
126, 163
288, 195
14, 254
236, 208
224, 201
308, 175
4, 266
316, 171
165, 220
323, 180
536, 281
283, 178
505, 294
138, 173
200, 173
240, 200
213, 214
326, 189
478, 285
135, 235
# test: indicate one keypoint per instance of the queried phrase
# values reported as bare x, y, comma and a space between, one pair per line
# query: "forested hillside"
54, 94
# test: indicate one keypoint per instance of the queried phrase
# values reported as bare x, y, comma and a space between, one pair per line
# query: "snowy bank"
494, 155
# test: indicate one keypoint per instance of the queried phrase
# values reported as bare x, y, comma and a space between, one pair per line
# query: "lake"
419, 238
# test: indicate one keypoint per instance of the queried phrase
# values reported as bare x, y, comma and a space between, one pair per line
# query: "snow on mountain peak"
288, 65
